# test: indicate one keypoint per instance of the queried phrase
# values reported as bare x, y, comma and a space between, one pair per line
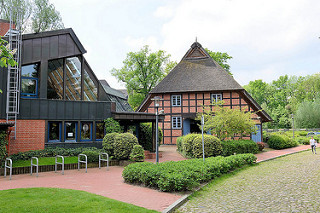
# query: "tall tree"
141, 72
221, 59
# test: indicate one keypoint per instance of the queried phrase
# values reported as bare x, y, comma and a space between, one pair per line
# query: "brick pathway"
110, 183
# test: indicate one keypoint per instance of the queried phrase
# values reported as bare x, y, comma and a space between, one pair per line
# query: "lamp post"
157, 100
292, 124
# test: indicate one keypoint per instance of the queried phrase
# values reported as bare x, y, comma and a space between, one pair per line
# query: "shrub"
179, 143
281, 142
183, 175
212, 146
92, 155
187, 144
303, 140
145, 136
112, 126
3, 148
137, 153
123, 144
108, 143
260, 146
239, 147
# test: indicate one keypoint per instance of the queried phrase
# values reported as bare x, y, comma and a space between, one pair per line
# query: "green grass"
44, 161
60, 200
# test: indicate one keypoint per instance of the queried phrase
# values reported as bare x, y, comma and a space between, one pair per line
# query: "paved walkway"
110, 183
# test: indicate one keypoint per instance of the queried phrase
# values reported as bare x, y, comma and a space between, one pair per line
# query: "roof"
54, 33
111, 91
197, 71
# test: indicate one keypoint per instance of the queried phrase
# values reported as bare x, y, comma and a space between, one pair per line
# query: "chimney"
4, 26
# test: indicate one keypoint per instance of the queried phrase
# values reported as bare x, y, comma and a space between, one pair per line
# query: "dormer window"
176, 100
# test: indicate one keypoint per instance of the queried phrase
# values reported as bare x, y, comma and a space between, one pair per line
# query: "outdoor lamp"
157, 100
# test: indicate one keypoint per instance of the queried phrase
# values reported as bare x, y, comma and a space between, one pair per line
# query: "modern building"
196, 82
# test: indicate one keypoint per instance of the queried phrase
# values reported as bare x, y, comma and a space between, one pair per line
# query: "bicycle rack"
81, 161
6, 166
36, 165
56, 163
103, 159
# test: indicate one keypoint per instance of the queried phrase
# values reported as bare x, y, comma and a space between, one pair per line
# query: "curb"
272, 158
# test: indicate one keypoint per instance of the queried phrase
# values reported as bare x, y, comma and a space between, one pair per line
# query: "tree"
224, 122
221, 59
141, 72
37, 15
308, 114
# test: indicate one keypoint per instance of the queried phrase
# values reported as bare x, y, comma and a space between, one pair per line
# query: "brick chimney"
4, 26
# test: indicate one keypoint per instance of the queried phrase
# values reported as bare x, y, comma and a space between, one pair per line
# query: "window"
215, 98
55, 79
29, 81
90, 90
99, 130
176, 123
73, 79
70, 131
54, 131
86, 131
176, 100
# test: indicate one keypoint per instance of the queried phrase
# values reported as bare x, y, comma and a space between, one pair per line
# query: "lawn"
44, 161
60, 200
286, 184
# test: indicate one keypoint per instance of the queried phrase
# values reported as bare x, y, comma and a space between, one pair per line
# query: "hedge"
277, 141
3, 148
108, 143
183, 175
123, 145
137, 154
212, 146
239, 147
145, 136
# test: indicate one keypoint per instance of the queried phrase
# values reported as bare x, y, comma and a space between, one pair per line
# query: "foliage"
308, 114
179, 142
141, 72
112, 126
145, 136
238, 147
212, 146
277, 141
183, 175
137, 153
187, 144
92, 155
3, 148
108, 143
123, 145
226, 123
37, 15
51, 200
6, 55
260, 146
221, 59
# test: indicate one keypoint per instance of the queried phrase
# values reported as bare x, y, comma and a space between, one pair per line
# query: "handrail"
81, 161
56, 163
8, 166
103, 159
36, 165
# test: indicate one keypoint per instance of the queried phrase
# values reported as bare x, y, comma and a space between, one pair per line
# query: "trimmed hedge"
137, 154
239, 147
108, 143
123, 144
183, 175
145, 136
281, 142
187, 144
212, 146
3, 148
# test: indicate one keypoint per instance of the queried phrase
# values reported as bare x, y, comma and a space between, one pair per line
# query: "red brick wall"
30, 136
4, 27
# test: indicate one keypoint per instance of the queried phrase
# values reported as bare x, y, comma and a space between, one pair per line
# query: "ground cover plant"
183, 175
61, 200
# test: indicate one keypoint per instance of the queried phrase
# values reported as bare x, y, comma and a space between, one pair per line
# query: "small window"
176, 123
54, 131
215, 98
29, 81
99, 130
71, 131
176, 100
86, 131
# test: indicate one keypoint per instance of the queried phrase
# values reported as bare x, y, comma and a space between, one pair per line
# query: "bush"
123, 144
3, 148
137, 153
183, 175
108, 143
92, 156
112, 126
239, 147
277, 141
212, 146
179, 143
145, 136
187, 144
260, 146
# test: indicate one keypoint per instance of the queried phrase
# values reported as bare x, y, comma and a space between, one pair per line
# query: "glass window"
71, 131
55, 79
29, 80
54, 131
73, 79
215, 98
176, 123
176, 100
86, 131
90, 89
99, 130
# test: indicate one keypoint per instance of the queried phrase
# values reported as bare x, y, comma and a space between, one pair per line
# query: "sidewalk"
110, 183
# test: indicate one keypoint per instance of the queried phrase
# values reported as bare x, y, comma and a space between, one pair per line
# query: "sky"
266, 39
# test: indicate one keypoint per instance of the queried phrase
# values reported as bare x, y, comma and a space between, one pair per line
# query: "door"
257, 137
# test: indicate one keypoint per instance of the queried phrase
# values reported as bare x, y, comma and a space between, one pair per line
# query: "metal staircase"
13, 81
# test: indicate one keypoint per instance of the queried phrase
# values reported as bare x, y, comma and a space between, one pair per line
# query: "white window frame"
176, 122
215, 97
175, 100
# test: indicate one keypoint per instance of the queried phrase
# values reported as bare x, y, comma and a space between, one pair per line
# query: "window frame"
30, 95
99, 122
215, 100
175, 99
81, 125
60, 131
76, 131
176, 122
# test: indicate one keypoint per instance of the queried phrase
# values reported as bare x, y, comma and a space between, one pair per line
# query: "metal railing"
6, 166
81, 161
104, 160
36, 165
56, 163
